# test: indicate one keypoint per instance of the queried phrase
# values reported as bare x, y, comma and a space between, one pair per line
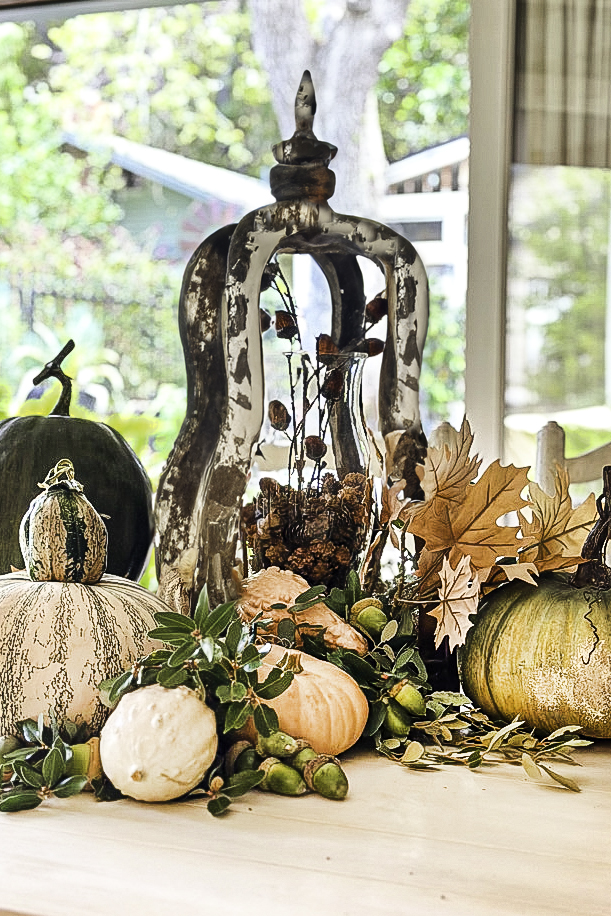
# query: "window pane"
558, 341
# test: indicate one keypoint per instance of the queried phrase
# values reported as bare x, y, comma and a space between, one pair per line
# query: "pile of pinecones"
316, 532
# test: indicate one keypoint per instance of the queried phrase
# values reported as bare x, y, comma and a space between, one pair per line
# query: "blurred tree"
423, 87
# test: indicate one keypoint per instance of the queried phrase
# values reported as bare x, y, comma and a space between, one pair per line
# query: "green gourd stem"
53, 370
595, 572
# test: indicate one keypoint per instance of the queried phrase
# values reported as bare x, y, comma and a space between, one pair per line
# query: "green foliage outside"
423, 90
69, 269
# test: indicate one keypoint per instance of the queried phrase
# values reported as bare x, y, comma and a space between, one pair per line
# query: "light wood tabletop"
452, 841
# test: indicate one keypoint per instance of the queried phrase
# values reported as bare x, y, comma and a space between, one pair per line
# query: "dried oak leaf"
459, 596
507, 572
448, 468
470, 524
557, 529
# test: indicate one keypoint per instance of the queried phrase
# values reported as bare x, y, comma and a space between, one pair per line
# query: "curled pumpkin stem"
595, 572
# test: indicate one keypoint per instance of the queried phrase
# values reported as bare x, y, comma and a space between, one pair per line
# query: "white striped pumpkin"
59, 640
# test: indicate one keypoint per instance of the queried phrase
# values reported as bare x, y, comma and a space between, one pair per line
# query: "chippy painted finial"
305, 105
304, 148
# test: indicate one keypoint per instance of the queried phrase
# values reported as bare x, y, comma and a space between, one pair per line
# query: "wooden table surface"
453, 842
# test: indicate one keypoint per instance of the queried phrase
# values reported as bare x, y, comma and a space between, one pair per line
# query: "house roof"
194, 179
428, 160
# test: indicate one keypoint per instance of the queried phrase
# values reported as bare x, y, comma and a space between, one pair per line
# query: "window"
97, 228
526, 316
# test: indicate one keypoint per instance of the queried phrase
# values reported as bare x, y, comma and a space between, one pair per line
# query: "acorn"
281, 778
304, 753
397, 721
409, 697
240, 756
324, 775
367, 615
278, 744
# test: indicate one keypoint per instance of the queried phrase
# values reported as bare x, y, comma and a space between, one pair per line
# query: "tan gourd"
324, 704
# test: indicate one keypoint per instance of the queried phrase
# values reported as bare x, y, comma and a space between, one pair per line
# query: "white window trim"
491, 55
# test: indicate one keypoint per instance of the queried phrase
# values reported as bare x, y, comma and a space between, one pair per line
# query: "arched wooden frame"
202, 486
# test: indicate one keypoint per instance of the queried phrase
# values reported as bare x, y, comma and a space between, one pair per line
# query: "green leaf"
113, 689
530, 766
174, 621
147, 676
498, 737
174, 636
563, 780
358, 667
208, 648
237, 691
223, 692
235, 635
243, 782
236, 716
218, 805
53, 767
266, 720
250, 658
157, 657
560, 732
219, 619
29, 730
172, 677
180, 655
404, 657
377, 712
286, 631
19, 800
28, 774
274, 684
70, 786
202, 610
314, 592
389, 631
413, 751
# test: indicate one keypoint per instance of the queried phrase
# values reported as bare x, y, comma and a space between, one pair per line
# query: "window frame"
491, 60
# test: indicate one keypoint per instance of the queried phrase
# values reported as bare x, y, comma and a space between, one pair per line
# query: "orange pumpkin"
324, 704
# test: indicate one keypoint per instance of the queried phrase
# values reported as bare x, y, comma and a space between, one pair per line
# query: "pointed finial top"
305, 104
304, 148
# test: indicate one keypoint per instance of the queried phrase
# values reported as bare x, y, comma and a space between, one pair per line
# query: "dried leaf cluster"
480, 531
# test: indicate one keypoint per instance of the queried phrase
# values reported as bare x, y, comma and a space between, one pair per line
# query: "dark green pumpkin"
109, 470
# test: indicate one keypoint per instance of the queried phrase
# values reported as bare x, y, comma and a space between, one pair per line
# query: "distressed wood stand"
202, 486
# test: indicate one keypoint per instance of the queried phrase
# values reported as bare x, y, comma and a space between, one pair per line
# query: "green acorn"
324, 775
396, 720
278, 744
281, 778
367, 615
409, 697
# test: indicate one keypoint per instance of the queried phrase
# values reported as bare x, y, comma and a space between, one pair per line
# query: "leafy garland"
217, 655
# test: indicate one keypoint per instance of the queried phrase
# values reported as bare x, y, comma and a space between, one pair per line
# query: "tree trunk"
342, 50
